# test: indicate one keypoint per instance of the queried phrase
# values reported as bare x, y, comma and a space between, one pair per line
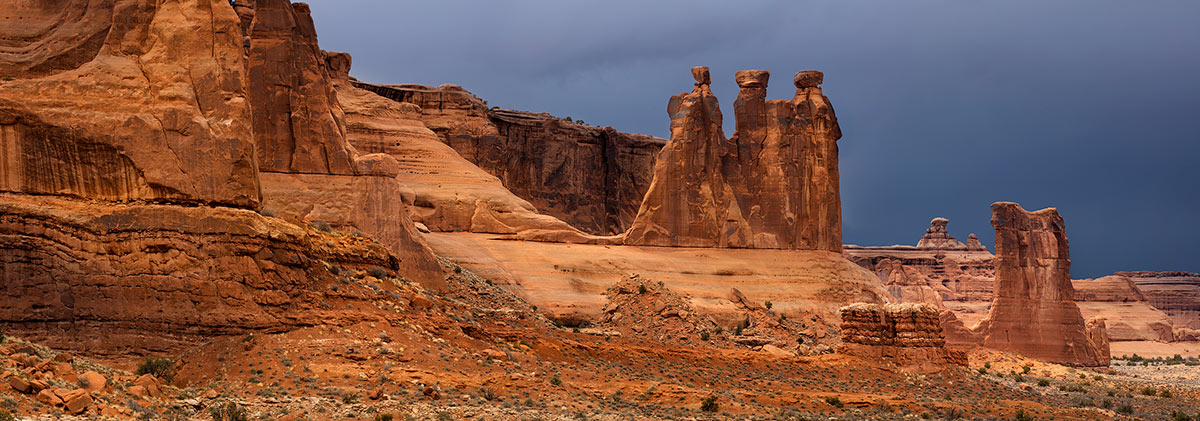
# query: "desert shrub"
987, 365
709, 404
834, 401
1125, 408
1165, 393
1043, 382
377, 271
704, 336
1019, 378
982, 370
349, 398
1022, 416
322, 226
6, 416
1106, 404
383, 417
641, 288
157, 367
768, 305
1180, 416
556, 380
270, 213
1149, 391
228, 411
1025, 369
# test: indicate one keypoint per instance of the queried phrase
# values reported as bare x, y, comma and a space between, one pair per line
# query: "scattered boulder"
92, 381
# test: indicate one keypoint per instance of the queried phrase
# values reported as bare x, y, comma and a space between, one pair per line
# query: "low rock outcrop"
591, 177
909, 335
774, 184
117, 278
1034, 312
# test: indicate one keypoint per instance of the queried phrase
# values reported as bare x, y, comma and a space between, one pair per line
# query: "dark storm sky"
1092, 107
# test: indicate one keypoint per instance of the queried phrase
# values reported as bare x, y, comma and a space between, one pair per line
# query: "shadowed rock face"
1175, 293
590, 177
774, 184
1034, 312
298, 123
125, 100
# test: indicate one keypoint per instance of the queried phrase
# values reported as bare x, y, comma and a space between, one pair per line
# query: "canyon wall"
774, 184
1128, 313
1175, 293
590, 177
1034, 311
126, 100
130, 177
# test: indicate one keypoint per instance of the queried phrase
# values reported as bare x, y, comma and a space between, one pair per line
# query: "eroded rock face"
298, 123
774, 184
116, 278
909, 335
1175, 293
126, 100
590, 177
1034, 312
442, 190
1128, 313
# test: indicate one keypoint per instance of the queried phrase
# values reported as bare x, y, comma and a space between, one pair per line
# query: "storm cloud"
1092, 107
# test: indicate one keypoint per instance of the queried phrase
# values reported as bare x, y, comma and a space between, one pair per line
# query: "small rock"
432, 393
494, 354
19, 385
48, 397
63, 358
151, 384
776, 351
375, 394
138, 391
77, 401
108, 411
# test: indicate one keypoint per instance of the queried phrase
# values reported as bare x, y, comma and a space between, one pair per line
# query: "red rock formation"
298, 124
115, 278
161, 115
1175, 293
126, 100
909, 335
590, 177
1128, 314
773, 185
444, 191
1034, 312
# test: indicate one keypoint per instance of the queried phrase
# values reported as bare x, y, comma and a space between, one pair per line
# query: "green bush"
704, 336
157, 367
834, 401
383, 417
709, 404
1149, 391
1022, 416
1043, 382
377, 271
1125, 408
322, 226
1025, 369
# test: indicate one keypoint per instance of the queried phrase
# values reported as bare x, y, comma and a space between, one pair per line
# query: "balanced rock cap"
808, 79
700, 73
752, 78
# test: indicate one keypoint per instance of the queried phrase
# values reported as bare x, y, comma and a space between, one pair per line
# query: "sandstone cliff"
1175, 293
593, 178
126, 100
1034, 312
154, 127
774, 184
1129, 315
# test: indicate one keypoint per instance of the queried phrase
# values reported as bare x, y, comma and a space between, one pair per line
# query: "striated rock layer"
1175, 293
590, 177
128, 175
116, 278
774, 184
1034, 312
909, 335
1128, 313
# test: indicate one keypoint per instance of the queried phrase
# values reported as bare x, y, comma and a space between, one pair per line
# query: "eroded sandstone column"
689, 203
1034, 312
779, 169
